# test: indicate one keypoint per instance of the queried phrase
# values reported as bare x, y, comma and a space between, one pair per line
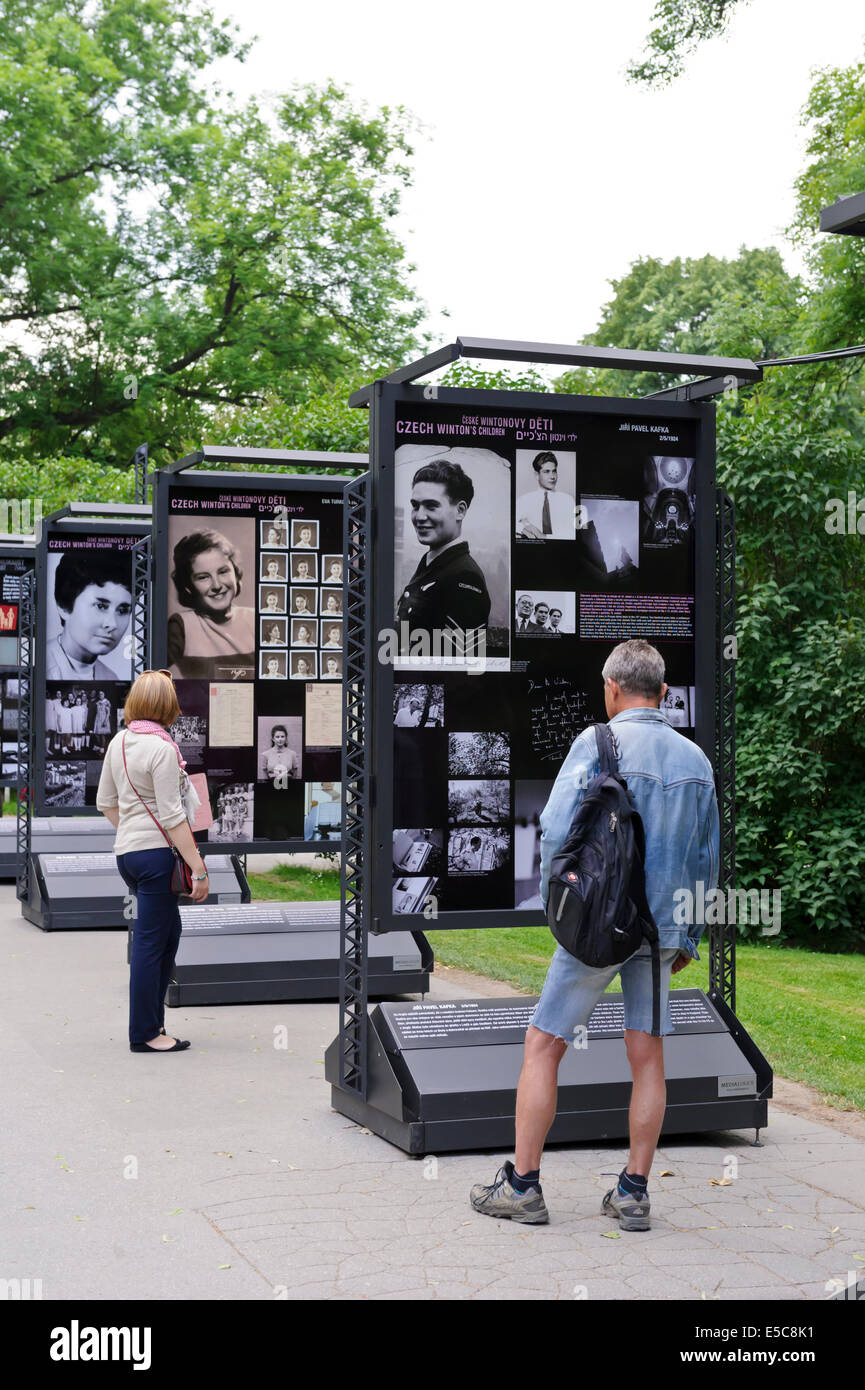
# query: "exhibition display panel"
248, 615
518, 538
16, 562
79, 641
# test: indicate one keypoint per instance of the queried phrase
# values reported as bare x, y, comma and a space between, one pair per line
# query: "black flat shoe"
179, 1046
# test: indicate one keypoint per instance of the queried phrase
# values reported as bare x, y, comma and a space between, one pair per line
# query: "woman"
274, 636
64, 725
279, 760
101, 721
209, 631
93, 596
303, 637
147, 799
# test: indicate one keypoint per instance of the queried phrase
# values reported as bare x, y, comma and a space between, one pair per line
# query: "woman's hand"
200, 887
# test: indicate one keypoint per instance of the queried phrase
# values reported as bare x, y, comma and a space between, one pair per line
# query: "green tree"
680, 27
165, 252
747, 307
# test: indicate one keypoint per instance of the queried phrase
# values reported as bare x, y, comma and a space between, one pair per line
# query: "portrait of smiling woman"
93, 600
211, 635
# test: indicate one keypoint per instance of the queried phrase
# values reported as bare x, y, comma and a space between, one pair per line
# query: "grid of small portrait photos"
261, 723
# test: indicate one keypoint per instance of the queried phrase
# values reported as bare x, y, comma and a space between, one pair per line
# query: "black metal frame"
722, 938
140, 625
24, 813
356, 791
164, 480
139, 463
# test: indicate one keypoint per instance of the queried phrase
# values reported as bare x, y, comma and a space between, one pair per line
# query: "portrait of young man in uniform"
448, 589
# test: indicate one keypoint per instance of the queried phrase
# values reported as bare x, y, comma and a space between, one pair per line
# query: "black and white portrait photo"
304, 568
273, 568
303, 666
418, 706
211, 631
331, 569
279, 747
331, 666
452, 572
304, 534
274, 632
331, 603
304, 602
272, 666
546, 484
544, 613
88, 610
271, 598
304, 632
331, 636
274, 534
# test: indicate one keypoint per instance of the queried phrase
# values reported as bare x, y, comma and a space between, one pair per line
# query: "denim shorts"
571, 991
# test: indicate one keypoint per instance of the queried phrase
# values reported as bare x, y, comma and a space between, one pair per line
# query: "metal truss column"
722, 941
140, 629
24, 822
356, 785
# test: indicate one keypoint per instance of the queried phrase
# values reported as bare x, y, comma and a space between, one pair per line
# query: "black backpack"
597, 907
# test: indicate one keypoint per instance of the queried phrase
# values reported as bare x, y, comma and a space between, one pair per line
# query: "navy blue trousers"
155, 937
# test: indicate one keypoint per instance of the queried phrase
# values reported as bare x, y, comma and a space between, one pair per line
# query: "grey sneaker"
631, 1212
502, 1199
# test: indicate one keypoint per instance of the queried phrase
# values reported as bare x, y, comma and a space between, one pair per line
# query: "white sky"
541, 173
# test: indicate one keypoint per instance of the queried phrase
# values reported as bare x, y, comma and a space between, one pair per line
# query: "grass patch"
286, 883
804, 1009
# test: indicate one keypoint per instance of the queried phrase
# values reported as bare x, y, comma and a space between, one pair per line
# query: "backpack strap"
606, 749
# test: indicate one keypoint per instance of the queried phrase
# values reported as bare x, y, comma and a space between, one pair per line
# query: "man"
673, 787
539, 622
524, 613
448, 589
543, 513
555, 619
408, 718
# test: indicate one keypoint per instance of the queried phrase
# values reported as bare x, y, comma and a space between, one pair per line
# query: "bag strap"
606, 749
170, 844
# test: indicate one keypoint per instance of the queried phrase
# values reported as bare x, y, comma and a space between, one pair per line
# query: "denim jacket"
674, 790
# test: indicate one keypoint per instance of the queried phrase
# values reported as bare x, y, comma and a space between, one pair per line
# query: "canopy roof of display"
218, 453
105, 511
845, 216
720, 370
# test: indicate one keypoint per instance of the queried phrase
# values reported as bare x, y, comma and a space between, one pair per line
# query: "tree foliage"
165, 252
680, 26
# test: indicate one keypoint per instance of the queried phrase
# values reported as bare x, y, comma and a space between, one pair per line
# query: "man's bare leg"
648, 1098
536, 1096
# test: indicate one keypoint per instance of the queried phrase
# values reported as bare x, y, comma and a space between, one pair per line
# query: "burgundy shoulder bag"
181, 874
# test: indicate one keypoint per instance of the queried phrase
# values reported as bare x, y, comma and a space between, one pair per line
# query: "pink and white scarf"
149, 726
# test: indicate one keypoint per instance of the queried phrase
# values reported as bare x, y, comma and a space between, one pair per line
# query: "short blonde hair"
152, 696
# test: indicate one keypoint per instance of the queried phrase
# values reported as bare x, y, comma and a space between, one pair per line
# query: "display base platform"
57, 835
443, 1076
282, 952
69, 892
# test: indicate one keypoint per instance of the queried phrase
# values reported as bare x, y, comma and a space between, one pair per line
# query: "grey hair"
637, 667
